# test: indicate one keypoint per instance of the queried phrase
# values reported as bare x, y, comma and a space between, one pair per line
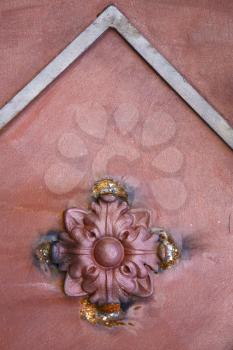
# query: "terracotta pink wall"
178, 167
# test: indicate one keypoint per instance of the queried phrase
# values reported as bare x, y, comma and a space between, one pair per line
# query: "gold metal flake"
108, 315
109, 186
167, 251
43, 252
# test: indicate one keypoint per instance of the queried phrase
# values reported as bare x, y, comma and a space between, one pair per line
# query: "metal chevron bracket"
111, 17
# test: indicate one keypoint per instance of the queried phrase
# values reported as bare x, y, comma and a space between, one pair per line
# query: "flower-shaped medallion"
110, 253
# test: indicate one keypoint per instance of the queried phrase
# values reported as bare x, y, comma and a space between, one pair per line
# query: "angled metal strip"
112, 17
173, 78
54, 69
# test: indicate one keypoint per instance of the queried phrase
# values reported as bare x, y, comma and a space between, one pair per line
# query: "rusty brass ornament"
109, 187
108, 315
167, 251
109, 253
43, 252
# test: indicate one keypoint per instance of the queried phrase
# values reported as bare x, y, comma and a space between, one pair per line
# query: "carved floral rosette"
107, 251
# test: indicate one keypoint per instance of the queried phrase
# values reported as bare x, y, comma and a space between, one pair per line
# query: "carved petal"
95, 286
123, 223
144, 286
116, 212
74, 218
127, 281
119, 218
76, 223
139, 239
96, 219
145, 263
142, 217
133, 283
73, 287
82, 267
64, 237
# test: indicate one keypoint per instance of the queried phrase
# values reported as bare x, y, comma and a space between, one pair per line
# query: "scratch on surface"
5, 205
40, 285
230, 224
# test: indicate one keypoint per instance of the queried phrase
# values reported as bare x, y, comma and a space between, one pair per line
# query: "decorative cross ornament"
110, 254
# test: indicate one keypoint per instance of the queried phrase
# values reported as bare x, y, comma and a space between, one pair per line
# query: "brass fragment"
167, 251
108, 315
109, 186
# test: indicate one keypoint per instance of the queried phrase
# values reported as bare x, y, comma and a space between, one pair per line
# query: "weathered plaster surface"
176, 165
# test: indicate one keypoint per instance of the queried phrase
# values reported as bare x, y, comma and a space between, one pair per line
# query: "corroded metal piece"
167, 251
108, 315
109, 186
43, 252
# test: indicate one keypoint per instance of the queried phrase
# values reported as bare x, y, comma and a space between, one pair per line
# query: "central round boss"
108, 252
